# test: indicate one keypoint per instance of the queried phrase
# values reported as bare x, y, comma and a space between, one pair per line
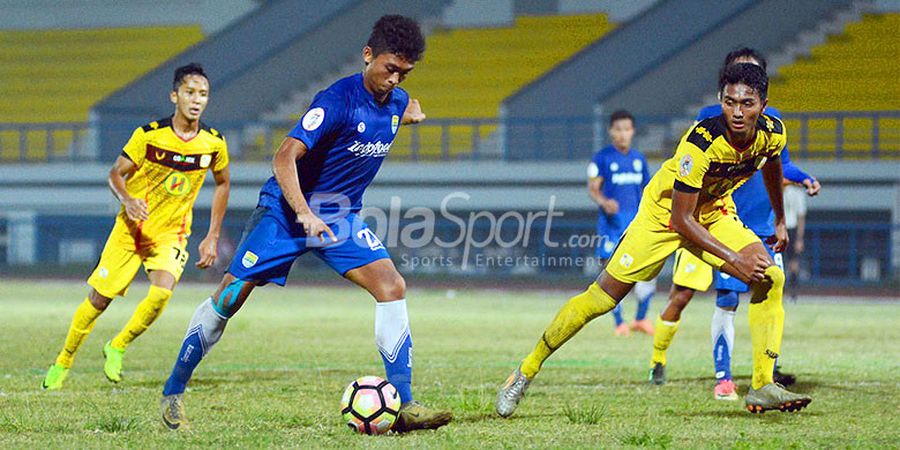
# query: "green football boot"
55, 377
658, 374
774, 396
414, 416
112, 368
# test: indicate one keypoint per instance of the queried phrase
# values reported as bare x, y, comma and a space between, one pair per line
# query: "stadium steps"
468, 72
57, 75
855, 71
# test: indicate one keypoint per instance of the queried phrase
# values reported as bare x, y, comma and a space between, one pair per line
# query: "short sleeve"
136, 147
323, 118
595, 168
222, 158
691, 166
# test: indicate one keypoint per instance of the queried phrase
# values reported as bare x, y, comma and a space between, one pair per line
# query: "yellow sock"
766, 315
82, 323
578, 311
665, 331
147, 311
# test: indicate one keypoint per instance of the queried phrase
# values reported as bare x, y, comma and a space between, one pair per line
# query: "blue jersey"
624, 178
347, 133
752, 199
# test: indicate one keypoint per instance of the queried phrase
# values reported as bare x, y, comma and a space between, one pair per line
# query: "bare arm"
209, 246
284, 166
683, 222
413, 113
595, 191
772, 177
135, 208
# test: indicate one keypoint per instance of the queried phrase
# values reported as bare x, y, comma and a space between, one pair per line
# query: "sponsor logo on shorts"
103, 272
690, 267
626, 260
249, 259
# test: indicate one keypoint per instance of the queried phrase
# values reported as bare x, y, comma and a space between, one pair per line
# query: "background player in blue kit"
617, 175
310, 205
691, 274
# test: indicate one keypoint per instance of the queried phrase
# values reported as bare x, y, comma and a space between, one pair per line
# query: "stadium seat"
49, 76
853, 72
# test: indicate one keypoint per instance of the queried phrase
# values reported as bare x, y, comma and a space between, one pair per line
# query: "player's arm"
284, 165
773, 174
684, 201
135, 208
413, 113
795, 174
209, 246
595, 191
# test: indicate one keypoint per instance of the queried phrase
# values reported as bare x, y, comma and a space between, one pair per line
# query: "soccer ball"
370, 405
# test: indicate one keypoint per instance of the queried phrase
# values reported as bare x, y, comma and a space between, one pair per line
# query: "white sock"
723, 325
391, 327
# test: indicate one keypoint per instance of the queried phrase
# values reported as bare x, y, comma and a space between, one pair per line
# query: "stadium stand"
853, 73
468, 72
56, 75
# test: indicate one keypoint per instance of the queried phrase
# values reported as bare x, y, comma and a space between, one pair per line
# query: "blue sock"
204, 331
617, 314
722, 359
394, 342
643, 306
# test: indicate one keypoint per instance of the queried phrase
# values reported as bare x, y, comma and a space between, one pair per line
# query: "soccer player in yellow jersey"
156, 178
688, 204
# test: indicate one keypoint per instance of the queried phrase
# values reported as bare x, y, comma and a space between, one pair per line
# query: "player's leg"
164, 265
619, 322
722, 333
639, 256
690, 274
766, 314
644, 291
111, 277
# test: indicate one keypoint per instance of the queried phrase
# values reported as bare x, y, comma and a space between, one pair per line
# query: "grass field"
276, 377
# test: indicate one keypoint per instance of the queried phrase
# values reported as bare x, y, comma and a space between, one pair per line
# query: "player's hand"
752, 266
413, 113
799, 246
812, 187
779, 241
610, 206
136, 209
208, 252
314, 226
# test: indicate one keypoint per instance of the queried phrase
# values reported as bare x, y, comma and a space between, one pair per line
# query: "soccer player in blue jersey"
691, 274
617, 175
310, 205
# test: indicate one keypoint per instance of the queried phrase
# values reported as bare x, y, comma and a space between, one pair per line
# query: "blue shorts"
608, 240
727, 282
272, 242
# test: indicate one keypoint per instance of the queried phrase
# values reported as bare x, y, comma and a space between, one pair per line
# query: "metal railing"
824, 135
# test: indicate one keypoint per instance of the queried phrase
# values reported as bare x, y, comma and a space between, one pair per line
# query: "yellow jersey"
170, 172
707, 163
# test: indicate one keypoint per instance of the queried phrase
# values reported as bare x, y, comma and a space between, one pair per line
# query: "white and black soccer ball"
370, 405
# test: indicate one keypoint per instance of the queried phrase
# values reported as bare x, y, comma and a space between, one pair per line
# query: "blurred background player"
682, 207
617, 175
691, 274
156, 178
322, 169
795, 219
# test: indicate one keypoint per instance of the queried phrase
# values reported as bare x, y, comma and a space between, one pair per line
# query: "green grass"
276, 378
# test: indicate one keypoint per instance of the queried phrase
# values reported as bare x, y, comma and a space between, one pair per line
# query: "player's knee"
391, 288
727, 299
98, 300
776, 276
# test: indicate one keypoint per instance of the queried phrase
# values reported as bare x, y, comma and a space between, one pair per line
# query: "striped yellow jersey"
170, 172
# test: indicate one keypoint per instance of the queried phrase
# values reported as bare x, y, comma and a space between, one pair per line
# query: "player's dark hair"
398, 35
183, 71
620, 115
745, 52
750, 74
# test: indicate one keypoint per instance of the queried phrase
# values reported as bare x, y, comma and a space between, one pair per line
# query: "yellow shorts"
121, 260
691, 272
647, 244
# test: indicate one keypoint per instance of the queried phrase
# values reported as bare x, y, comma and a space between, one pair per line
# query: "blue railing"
827, 135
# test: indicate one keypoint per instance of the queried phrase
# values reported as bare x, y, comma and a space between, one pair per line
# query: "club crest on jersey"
685, 165
614, 167
313, 119
205, 161
177, 184
637, 165
395, 123
249, 259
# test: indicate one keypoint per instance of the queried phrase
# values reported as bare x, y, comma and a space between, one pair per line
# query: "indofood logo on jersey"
177, 184
375, 150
